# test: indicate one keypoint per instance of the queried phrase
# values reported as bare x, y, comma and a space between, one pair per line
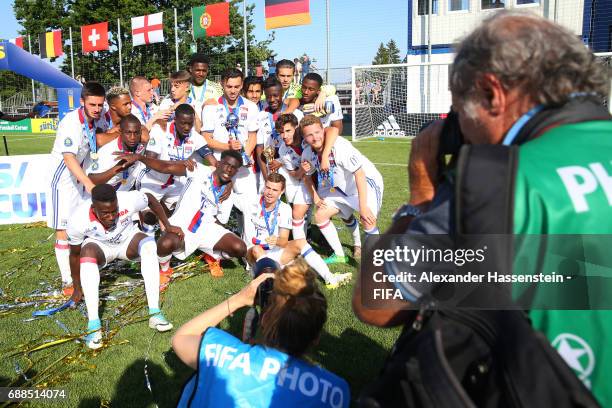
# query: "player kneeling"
352, 183
101, 231
199, 211
267, 223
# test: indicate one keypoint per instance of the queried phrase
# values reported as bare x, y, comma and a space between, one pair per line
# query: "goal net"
606, 59
397, 100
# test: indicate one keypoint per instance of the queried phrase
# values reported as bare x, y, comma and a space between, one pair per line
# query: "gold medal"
94, 156
332, 189
123, 181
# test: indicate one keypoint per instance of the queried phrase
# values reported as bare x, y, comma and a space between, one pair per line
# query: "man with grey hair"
531, 143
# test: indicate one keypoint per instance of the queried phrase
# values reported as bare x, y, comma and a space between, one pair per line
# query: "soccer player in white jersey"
102, 230
74, 141
200, 211
178, 141
142, 103
119, 106
201, 88
351, 184
180, 87
311, 88
267, 136
223, 133
267, 223
119, 174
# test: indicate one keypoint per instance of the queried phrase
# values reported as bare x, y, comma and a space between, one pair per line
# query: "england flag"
148, 29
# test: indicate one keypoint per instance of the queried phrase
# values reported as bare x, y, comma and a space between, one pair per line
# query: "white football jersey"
199, 201
167, 146
143, 115
256, 226
344, 160
215, 116
83, 222
123, 181
267, 134
291, 159
73, 133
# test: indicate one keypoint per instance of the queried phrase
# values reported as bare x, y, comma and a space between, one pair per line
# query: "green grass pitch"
115, 375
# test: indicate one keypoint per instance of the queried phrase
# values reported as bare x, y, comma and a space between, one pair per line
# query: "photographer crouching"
230, 372
530, 143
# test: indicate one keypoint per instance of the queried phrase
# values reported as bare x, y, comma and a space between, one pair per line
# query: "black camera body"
251, 319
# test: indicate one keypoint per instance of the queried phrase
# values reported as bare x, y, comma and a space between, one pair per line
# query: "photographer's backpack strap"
484, 189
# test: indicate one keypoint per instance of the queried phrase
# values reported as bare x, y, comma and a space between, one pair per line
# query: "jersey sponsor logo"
577, 354
389, 128
67, 142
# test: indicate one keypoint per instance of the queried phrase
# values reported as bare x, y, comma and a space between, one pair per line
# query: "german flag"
285, 13
50, 44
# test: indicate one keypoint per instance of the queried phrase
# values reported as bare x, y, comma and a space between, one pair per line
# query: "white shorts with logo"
348, 204
205, 238
115, 251
64, 195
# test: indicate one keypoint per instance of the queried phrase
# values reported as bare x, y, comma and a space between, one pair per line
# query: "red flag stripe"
57, 42
283, 9
146, 28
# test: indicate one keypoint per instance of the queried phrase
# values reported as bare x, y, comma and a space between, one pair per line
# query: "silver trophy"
231, 124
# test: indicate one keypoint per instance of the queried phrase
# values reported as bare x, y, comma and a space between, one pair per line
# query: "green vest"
563, 185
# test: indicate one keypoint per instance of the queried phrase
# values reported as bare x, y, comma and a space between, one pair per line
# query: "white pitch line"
29, 138
391, 164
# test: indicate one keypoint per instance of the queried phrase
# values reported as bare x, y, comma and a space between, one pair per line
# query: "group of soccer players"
123, 168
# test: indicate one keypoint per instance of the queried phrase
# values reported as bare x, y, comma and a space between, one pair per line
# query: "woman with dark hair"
270, 374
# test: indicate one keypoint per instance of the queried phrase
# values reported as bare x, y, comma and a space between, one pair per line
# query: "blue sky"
357, 28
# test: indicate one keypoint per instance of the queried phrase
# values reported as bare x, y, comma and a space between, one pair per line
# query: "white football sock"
90, 282
353, 227
317, 263
62, 255
299, 228
149, 269
328, 229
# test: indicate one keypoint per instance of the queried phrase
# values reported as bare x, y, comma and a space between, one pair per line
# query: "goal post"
396, 100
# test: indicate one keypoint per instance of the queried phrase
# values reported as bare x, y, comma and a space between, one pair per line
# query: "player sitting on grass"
267, 223
351, 184
199, 212
101, 231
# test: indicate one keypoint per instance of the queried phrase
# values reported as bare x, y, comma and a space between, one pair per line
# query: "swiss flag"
94, 37
148, 29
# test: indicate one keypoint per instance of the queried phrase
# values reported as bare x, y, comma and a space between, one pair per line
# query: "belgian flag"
285, 13
50, 44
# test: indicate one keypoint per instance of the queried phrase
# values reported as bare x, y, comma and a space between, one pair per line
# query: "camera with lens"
251, 319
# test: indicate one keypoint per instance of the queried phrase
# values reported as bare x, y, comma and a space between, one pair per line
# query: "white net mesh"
606, 59
397, 100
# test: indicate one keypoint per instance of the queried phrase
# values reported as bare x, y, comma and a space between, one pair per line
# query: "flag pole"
176, 40
71, 53
327, 75
33, 91
245, 70
119, 43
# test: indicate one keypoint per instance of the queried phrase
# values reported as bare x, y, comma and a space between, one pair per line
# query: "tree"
382, 55
149, 60
393, 52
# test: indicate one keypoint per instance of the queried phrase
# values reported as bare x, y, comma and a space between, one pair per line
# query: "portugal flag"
211, 20
50, 44
285, 13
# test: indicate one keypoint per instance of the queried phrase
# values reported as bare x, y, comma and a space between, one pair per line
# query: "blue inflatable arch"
13, 58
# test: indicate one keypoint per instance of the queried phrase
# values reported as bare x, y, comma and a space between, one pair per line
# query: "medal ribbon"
146, 115
192, 92
89, 131
267, 214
